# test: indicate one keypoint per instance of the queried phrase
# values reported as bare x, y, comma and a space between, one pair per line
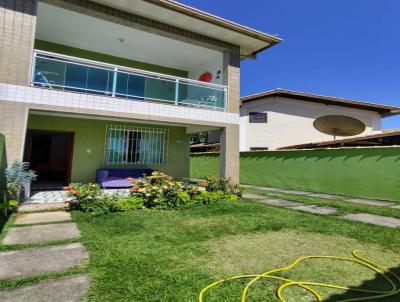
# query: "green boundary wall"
361, 172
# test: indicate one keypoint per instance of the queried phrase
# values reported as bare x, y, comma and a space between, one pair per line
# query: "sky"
342, 48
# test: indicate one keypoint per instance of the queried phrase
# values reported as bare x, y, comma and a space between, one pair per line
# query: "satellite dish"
339, 125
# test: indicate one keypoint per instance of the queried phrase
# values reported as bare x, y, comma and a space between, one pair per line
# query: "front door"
50, 155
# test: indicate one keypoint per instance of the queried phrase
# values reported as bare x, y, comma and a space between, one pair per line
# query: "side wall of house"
89, 144
290, 122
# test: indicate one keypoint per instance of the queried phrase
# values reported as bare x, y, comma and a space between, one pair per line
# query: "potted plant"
19, 175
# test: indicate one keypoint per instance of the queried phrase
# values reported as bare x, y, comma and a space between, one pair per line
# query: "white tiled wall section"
34, 95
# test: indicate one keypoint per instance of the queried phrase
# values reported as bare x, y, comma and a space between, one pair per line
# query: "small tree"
17, 176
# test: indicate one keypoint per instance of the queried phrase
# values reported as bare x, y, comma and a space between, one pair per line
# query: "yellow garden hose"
389, 276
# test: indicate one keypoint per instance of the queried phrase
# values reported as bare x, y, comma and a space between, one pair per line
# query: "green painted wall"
366, 172
90, 55
90, 134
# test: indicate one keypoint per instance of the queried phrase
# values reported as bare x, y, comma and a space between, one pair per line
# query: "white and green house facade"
92, 84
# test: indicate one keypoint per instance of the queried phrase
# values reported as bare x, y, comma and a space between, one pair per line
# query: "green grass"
150, 255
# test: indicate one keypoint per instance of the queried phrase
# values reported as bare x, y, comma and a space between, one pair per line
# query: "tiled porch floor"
44, 197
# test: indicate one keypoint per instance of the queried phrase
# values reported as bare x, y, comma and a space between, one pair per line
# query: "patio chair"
208, 101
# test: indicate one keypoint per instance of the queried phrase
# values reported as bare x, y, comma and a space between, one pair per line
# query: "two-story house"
91, 84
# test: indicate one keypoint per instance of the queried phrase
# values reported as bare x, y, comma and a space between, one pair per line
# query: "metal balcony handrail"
120, 68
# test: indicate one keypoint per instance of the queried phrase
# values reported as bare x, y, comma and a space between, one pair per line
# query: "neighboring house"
281, 118
91, 84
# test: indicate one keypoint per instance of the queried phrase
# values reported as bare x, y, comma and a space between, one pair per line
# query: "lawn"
170, 255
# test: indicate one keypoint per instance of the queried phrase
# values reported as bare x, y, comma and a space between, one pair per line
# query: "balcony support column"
13, 124
229, 152
229, 139
16, 46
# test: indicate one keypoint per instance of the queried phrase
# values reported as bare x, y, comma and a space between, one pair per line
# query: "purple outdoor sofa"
113, 178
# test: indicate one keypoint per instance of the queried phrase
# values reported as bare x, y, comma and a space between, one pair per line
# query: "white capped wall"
290, 122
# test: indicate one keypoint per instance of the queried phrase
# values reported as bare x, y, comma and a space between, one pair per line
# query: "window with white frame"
126, 145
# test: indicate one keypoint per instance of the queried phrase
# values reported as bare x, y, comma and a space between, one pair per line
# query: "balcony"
61, 72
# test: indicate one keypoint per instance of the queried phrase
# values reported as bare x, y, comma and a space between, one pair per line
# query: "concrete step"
43, 217
41, 233
40, 261
69, 289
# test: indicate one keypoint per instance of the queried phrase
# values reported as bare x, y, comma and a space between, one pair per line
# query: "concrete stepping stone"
281, 203
69, 289
328, 196
39, 261
374, 219
316, 209
267, 189
396, 207
370, 202
295, 192
41, 233
42, 217
252, 196
40, 207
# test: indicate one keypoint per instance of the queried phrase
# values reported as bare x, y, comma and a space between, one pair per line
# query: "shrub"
157, 191
223, 184
160, 191
126, 204
88, 198
8, 206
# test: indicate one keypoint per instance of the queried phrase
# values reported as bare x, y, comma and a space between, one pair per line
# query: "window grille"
257, 117
126, 145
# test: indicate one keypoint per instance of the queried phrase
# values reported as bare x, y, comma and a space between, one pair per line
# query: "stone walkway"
41, 230
295, 205
374, 219
325, 210
366, 201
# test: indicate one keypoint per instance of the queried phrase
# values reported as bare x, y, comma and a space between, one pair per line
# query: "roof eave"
384, 111
198, 14
203, 16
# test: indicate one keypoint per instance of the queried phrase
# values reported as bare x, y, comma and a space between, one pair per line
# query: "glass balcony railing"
55, 71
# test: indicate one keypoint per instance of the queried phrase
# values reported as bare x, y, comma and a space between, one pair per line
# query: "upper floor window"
127, 145
257, 117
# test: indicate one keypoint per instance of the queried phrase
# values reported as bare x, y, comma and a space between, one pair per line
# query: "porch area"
64, 149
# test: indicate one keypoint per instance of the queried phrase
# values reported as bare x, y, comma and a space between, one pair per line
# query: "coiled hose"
388, 275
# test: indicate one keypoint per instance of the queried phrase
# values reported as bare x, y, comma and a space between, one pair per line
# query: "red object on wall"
206, 77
